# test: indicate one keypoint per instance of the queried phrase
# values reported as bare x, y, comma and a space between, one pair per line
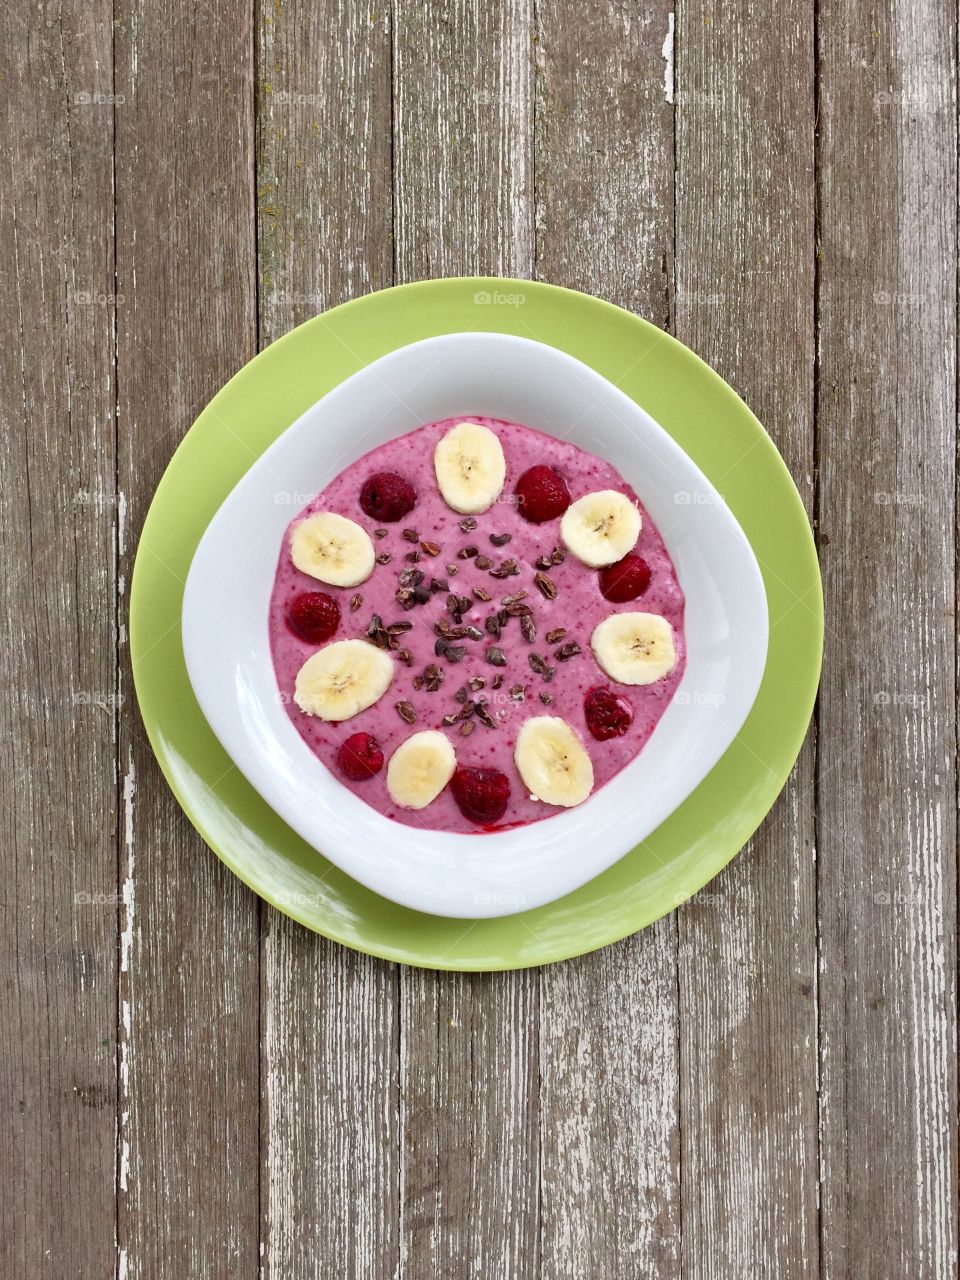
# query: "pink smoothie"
578, 607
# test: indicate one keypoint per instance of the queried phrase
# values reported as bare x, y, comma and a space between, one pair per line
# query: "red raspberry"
482, 794
608, 715
625, 580
387, 497
314, 616
542, 494
360, 757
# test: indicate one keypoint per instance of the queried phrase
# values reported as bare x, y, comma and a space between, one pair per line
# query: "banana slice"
600, 528
342, 679
420, 768
470, 467
333, 549
553, 762
634, 648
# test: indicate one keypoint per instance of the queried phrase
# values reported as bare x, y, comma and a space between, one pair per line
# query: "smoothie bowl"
472, 589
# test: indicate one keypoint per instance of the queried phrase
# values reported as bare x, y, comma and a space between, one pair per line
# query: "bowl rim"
446, 842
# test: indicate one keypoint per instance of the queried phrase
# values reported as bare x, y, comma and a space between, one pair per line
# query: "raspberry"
314, 616
542, 494
608, 715
360, 757
625, 580
482, 794
387, 497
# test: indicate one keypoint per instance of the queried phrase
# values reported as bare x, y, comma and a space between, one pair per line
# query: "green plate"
692, 403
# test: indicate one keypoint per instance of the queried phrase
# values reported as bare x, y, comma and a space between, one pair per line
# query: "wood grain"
331, 1145
745, 262
887, 779
189, 1164
58, 694
609, 1031
468, 1048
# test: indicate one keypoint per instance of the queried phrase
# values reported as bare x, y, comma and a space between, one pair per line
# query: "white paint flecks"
667, 52
127, 903
121, 522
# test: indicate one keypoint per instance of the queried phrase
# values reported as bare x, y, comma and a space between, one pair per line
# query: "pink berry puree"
512, 692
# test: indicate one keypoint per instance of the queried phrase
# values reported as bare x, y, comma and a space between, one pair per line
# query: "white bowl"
225, 638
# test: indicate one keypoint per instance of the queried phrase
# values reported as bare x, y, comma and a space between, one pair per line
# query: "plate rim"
805, 693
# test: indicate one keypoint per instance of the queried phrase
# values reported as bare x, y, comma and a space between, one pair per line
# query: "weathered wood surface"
58, 695
763, 1084
745, 263
188, 1072
886, 412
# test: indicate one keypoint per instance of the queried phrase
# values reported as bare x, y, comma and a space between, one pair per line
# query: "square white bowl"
227, 650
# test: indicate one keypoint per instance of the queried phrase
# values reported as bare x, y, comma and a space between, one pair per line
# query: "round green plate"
698, 409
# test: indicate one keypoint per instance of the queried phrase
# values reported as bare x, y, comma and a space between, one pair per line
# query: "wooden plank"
58, 694
330, 1137
745, 262
189, 1133
608, 1022
468, 1048
463, 127
887, 828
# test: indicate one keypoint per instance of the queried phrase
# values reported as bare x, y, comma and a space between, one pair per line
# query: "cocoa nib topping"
567, 651
466, 729
546, 586
514, 598
410, 577
462, 693
541, 666
405, 656
481, 594
495, 656
413, 557
452, 570
406, 712
439, 584
449, 720
552, 637
476, 682
556, 556
517, 692
517, 610
429, 548
384, 557
377, 633
379, 533
411, 535
483, 562
467, 553
500, 539
497, 681
454, 652
484, 716
528, 628
355, 602
492, 625
509, 569
546, 698
432, 677
468, 524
